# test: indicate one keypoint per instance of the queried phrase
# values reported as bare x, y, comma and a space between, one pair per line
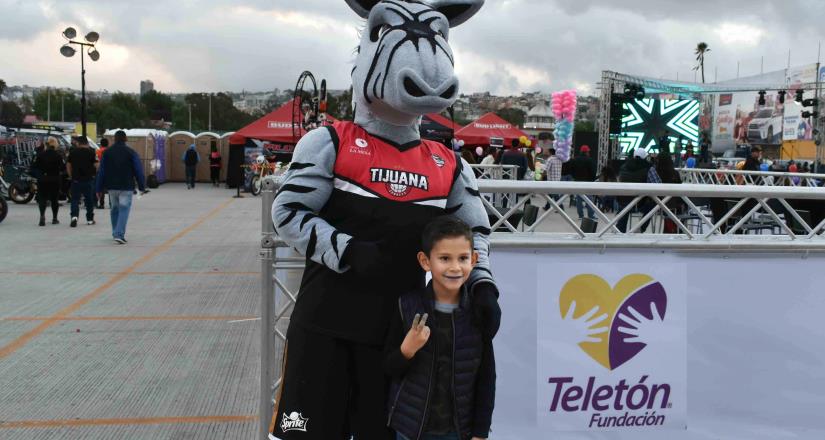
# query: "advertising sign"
740, 119
612, 348
598, 345
798, 128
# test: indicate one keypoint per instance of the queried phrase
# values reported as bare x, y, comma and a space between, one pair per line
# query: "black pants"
83, 190
215, 174
331, 389
190, 175
48, 193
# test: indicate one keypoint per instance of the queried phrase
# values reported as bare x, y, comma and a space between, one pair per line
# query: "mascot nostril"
449, 93
355, 202
412, 88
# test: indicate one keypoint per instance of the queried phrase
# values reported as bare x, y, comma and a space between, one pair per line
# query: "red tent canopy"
274, 127
438, 119
490, 125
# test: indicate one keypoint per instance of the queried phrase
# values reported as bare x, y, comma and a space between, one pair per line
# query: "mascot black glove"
364, 257
486, 311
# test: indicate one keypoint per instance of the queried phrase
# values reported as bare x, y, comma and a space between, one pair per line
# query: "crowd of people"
89, 175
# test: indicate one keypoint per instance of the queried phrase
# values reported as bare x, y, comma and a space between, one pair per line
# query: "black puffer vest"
409, 398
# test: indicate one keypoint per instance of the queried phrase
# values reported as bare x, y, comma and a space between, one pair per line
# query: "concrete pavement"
106, 341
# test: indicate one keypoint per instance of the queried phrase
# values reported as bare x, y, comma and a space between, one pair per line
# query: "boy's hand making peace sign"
417, 336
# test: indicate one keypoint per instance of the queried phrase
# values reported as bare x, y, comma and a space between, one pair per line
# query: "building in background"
146, 86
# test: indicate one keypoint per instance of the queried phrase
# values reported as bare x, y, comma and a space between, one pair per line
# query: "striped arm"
464, 202
305, 191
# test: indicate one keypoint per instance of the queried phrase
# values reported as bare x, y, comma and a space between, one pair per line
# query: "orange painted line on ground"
68, 310
136, 421
129, 318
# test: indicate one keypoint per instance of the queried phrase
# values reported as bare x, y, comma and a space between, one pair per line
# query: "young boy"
443, 376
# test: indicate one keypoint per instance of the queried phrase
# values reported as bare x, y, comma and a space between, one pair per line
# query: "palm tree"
2, 89
701, 50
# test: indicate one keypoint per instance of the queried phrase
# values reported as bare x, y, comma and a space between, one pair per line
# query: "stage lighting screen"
645, 120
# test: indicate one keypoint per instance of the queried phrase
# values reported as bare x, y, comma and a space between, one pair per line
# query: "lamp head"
67, 51
94, 54
92, 37
70, 33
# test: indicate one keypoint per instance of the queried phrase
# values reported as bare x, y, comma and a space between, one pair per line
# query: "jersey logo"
293, 422
399, 183
362, 143
439, 162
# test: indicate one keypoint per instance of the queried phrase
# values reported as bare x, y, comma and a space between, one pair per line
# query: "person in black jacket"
443, 376
583, 169
49, 167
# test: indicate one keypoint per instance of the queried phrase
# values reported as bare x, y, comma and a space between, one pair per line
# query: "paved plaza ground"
155, 339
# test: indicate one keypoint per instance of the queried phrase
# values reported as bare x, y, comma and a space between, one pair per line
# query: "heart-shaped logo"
640, 292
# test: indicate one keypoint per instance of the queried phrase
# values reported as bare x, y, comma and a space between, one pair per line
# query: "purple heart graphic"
619, 350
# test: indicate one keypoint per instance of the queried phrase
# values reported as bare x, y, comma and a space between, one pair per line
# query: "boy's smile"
450, 262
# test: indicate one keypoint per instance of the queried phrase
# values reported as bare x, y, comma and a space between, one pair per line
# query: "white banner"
611, 347
747, 364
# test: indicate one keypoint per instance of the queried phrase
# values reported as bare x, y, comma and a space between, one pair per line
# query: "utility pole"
210, 112
737, 70
48, 104
190, 117
762, 66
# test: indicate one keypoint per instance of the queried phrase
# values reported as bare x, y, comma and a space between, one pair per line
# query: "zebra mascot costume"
354, 202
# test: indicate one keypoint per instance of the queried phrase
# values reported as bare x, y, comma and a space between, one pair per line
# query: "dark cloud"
509, 46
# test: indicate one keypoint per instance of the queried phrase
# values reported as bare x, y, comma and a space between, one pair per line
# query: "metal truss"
738, 177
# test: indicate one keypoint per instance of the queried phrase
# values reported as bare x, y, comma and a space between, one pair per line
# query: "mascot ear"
362, 7
456, 11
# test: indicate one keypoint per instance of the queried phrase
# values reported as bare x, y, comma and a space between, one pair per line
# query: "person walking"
190, 161
81, 169
583, 169
49, 168
118, 171
215, 161
101, 198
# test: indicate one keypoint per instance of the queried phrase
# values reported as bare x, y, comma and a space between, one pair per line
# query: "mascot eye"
379, 31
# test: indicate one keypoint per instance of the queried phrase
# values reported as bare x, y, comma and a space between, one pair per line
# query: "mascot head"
404, 67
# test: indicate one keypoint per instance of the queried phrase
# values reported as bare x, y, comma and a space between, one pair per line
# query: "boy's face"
450, 262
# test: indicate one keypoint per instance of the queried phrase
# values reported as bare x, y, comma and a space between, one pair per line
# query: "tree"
10, 114
340, 107
122, 111
225, 117
70, 103
158, 105
2, 89
513, 116
701, 50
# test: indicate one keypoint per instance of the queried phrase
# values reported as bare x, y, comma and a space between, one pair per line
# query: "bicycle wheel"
256, 185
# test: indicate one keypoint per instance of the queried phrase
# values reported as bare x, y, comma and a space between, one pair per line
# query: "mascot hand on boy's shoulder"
485, 308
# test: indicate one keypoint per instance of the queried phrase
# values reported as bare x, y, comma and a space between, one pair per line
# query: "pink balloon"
479, 151
538, 150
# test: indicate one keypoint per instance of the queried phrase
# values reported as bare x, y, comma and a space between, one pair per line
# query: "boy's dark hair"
120, 136
104, 142
443, 227
82, 140
552, 151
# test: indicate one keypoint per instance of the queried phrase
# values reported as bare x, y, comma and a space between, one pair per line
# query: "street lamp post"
68, 51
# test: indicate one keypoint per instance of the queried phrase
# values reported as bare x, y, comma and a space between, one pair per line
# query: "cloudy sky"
509, 47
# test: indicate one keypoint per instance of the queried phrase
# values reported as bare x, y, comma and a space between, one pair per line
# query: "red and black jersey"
380, 190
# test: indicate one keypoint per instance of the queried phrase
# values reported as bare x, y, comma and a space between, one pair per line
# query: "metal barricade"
792, 231
741, 177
